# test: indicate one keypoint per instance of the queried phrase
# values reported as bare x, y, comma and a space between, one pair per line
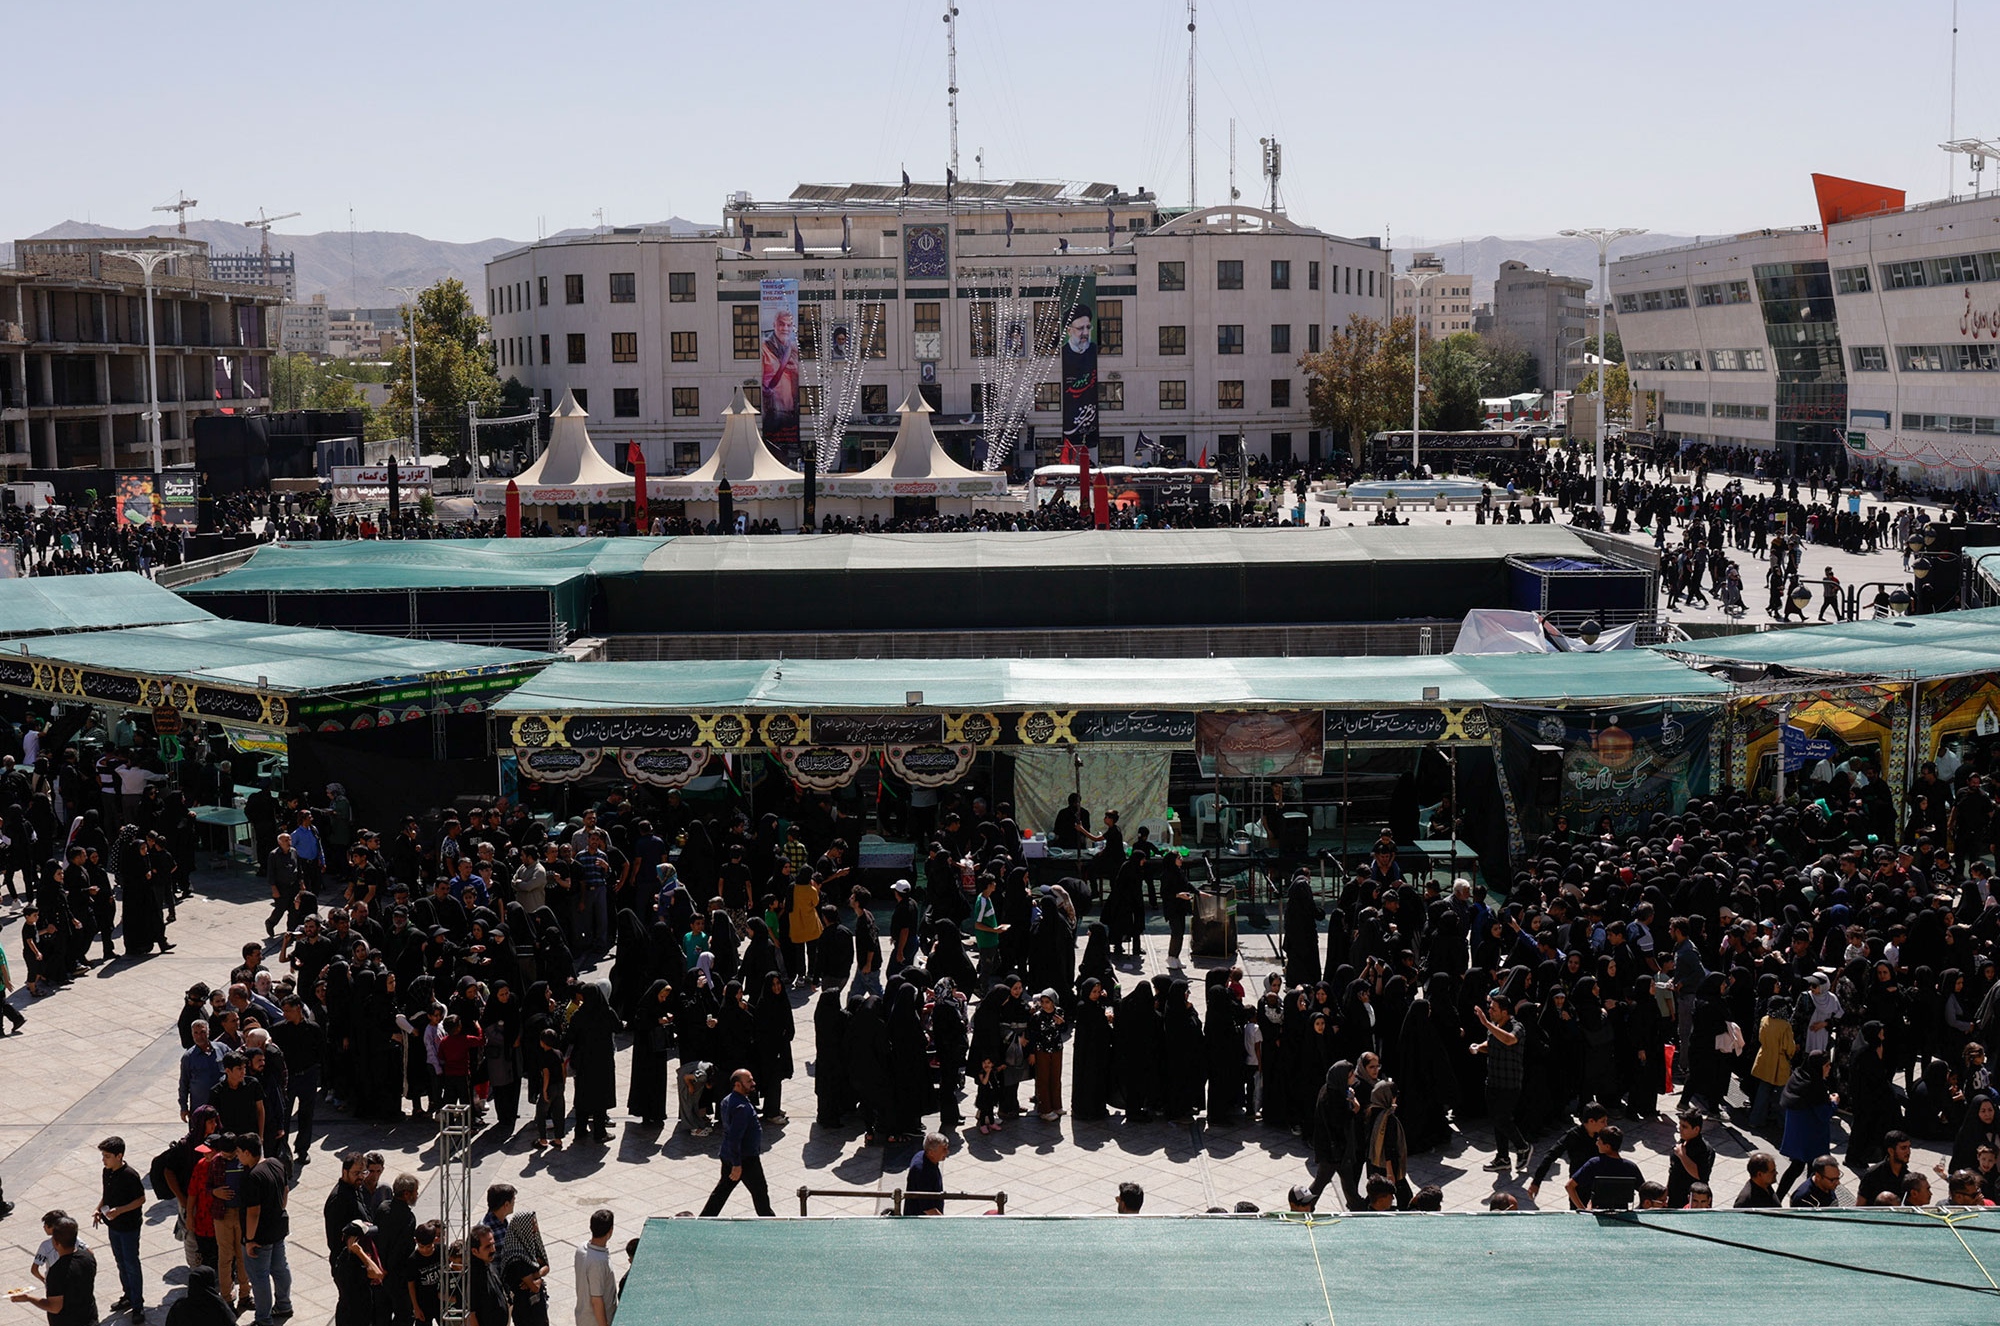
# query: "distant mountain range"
354, 269
1481, 258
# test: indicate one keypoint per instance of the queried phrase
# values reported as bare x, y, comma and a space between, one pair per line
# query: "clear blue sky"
1437, 120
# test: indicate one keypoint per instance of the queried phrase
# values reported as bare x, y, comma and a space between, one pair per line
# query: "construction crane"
264, 223
180, 207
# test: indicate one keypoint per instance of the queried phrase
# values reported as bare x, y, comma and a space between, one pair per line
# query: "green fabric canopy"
46, 604
1118, 683
358, 565
1355, 1270
1949, 644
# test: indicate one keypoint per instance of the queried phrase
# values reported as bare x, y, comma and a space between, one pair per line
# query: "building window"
1173, 395
1173, 340
1111, 450
1228, 273
745, 342
1652, 301
1371, 283
1173, 276
1851, 280
687, 404
1281, 273
1952, 423
1312, 276
687, 455
1722, 410
809, 398
1110, 395
680, 287
1627, 303
1229, 338
1677, 297
809, 315
624, 347
1970, 358
1753, 361
545, 348
542, 289
1870, 359
1958, 269
926, 316
982, 331
1281, 448
875, 399
576, 347
1111, 326
682, 347
624, 288
874, 320
582, 397
1281, 393
1903, 275
1312, 338
1048, 396
625, 402
573, 289
1281, 338
1229, 395
1685, 407
1723, 361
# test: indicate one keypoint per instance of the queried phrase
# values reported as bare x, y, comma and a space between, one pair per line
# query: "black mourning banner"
1079, 367
876, 729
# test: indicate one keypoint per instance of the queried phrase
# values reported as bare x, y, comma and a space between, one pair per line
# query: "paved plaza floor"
100, 1058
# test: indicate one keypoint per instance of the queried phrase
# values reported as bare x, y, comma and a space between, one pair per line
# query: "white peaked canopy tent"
915, 467
761, 486
568, 473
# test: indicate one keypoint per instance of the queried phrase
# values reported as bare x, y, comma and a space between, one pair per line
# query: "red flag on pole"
1067, 457
1203, 462
513, 510
638, 455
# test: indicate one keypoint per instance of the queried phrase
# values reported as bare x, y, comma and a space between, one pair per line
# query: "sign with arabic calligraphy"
876, 729
1407, 727
1147, 726
671, 766
1261, 744
558, 764
930, 766
1629, 763
823, 768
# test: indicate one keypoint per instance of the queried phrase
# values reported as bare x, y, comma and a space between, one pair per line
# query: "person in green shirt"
987, 928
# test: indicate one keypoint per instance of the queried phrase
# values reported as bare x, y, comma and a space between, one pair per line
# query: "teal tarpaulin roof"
45, 604
436, 564
1196, 684
1041, 549
1357, 1270
286, 658
1945, 644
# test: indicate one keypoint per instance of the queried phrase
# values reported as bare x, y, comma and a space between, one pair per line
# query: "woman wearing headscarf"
1222, 1050
1125, 908
552, 953
592, 1058
1562, 1040
1336, 1114
1181, 1053
948, 960
866, 1050
1870, 1096
1387, 1150
1357, 1021
202, 1305
698, 862
761, 954
1093, 1075
652, 1029
501, 1020
949, 1031
1301, 932
734, 1039
1981, 1127
775, 1032
1428, 1081
1808, 1105
1137, 1053
1095, 965
832, 1087
912, 1083
1052, 950
1598, 1041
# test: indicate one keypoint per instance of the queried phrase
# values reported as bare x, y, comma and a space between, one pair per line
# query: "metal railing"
895, 1197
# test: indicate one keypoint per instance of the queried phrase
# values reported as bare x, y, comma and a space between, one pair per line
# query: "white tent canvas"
742, 457
570, 471
916, 466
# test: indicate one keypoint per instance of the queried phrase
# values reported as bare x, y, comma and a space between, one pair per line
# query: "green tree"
290, 375
1360, 383
1618, 391
1456, 371
453, 367
1511, 368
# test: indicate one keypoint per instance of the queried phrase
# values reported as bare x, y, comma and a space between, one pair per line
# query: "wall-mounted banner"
1079, 368
876, 729
926, 253
1136, 726
778, 322
930, 765
823, 768
1406, 727
558, 765
1263, 745
668, 766
1630, 763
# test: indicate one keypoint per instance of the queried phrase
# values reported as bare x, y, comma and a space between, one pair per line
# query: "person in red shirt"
456, 1050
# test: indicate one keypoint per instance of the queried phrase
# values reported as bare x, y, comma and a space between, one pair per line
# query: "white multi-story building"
1738, 340
305, 328
1202, 316
1444, 306
1918, 294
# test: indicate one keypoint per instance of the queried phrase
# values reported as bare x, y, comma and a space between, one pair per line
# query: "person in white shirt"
596, 1282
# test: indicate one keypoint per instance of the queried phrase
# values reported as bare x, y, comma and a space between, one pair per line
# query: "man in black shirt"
238, 1098
417, 1295
395, 1239
344, 1205
1577, 1145
488, 1298
265, 1190
122, 1213
304, 1044
70, 1284
1888, 1175
1761, 1188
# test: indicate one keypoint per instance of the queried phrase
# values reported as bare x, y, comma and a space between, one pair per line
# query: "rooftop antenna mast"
951, 83
1952, 122
1233, 194
1193, 195
181, 203
1274, 166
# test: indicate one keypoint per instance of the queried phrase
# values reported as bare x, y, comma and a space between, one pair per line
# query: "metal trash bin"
1214, 922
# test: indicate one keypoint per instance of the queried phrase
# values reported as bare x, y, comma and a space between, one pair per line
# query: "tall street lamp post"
1605, 239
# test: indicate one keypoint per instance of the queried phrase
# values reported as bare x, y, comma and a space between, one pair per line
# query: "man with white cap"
903, 927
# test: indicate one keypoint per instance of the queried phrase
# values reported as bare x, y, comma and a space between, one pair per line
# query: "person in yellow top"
802, 925
1776, 1048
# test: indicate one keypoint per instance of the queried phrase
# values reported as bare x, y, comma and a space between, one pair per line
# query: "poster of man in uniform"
1079, 368
778, 320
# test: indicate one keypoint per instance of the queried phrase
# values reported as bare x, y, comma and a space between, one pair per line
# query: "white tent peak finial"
569, 408
740, 403
914, 403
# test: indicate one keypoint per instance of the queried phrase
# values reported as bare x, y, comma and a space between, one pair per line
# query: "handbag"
1729, 1040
